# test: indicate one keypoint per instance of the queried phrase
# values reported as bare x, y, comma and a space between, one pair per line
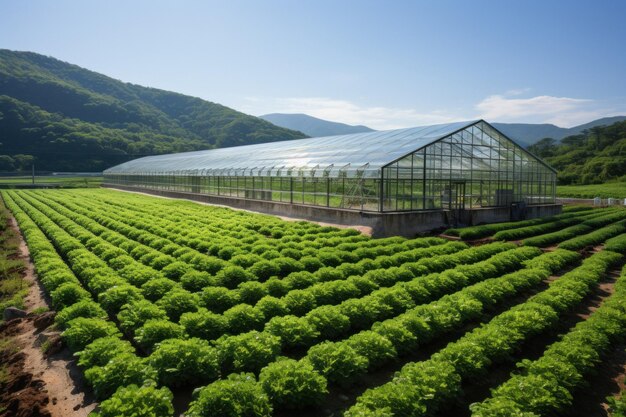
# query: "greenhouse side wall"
381, 224
343, 193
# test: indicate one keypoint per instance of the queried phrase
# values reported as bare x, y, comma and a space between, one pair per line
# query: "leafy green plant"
337, 361
86, 308
271, 307
617, 405
114, 298
264, 269
244, 317
299, 302
248, 351
154, 331
137, 401
204, 324
155, 289
293, 331
184, 362
232, 276
135, 314
196, 280
252, 291
375, 347
238, 395
292, 384
218, 299
176, 270
67, 294
328, 321
177, 302
121, 370
102, 350
81, 331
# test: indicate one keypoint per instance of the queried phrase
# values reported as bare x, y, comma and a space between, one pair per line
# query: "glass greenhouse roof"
356, 154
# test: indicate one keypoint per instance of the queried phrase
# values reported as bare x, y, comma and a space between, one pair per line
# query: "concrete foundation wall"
383, 224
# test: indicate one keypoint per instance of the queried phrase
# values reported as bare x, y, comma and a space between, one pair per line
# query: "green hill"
595, 156
71, 119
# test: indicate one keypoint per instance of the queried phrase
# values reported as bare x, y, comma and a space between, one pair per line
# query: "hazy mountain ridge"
312, 126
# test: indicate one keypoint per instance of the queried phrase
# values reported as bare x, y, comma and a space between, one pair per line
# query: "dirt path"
62, 379
43, 383
36, 298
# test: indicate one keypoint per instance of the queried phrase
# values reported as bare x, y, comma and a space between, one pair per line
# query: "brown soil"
39, 385
36, 297
483, 241
62, 378
21, 395
449, 237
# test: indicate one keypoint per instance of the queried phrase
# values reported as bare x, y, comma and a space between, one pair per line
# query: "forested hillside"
70, 119
597, 155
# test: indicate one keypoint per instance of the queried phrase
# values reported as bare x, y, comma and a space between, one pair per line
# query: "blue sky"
385, 64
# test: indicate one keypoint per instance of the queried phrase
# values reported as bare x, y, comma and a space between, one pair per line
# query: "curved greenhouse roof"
362, 153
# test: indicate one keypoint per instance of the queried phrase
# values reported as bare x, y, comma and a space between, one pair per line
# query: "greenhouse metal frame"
461, 165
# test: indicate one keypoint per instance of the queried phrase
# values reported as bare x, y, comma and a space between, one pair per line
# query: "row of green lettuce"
111, 362
422, 388
175, 333
545, 386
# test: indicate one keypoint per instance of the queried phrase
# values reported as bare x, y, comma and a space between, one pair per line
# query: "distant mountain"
68, 118
527, 134
312, 126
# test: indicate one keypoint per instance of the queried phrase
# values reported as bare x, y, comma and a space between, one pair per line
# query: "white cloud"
539, 109
517, 91
508, 108
561, 111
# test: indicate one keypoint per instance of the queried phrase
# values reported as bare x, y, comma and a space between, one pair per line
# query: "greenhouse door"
456, 203
457, 196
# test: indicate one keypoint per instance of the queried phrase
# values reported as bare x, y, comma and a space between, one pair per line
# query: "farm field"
64, 181
173, 308
606, 190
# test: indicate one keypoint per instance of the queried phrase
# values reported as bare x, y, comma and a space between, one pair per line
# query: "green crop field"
61, 181
262, 317
607, 190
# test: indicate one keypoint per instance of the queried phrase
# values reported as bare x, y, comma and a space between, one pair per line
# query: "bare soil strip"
39, 385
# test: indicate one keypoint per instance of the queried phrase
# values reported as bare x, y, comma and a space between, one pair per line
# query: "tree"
23, 162
544, 148
6, 163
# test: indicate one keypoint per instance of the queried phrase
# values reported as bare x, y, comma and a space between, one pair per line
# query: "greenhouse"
463, 165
